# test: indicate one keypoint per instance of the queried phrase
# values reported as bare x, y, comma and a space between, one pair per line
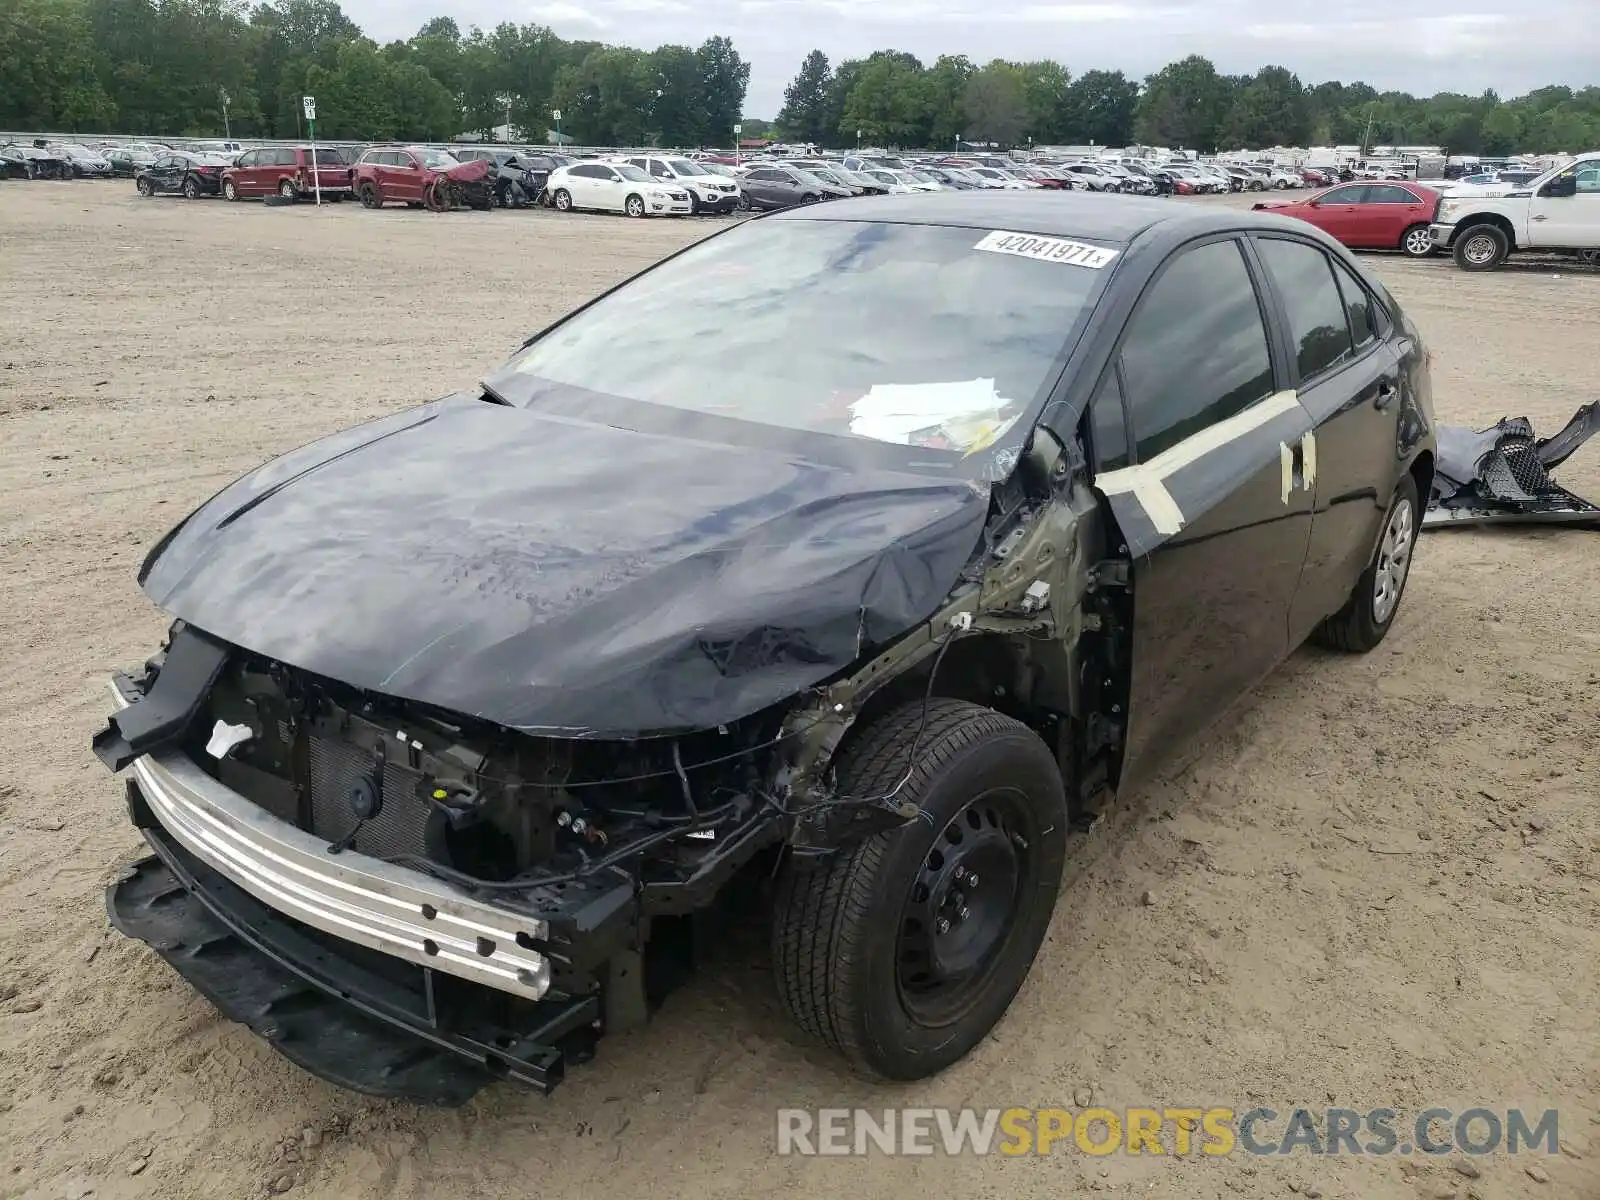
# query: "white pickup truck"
1558, 211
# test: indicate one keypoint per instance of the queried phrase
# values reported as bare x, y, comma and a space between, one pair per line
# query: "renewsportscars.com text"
1169, 1130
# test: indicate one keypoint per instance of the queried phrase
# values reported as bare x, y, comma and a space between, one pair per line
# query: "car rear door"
1210, 514
1387, 212
1346, 366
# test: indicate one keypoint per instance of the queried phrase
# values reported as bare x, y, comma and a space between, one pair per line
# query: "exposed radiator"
402, 824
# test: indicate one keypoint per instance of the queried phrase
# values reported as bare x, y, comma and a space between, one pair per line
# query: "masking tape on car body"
1147, 480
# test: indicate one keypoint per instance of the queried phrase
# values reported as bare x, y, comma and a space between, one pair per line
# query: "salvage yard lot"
1373, 884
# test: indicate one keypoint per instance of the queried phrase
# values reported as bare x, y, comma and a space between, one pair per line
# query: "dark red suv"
287, 171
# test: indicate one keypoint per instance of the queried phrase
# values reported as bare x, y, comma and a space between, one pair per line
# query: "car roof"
1116, 219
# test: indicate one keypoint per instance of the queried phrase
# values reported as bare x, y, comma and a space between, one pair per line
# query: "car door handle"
1539, 217
1386, 395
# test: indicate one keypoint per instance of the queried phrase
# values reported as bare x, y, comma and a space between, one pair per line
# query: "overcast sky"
1465, 47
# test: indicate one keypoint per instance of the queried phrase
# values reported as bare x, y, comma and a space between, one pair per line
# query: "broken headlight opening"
1501, 475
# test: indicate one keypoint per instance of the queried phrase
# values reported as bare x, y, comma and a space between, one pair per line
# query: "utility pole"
227, 130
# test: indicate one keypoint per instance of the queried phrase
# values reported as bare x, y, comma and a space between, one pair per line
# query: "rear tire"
1481, 248
1369, 612
1417, 242
369, 196
191, 189
894, 952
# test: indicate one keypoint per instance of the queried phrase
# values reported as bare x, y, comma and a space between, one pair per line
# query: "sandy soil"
1373, 883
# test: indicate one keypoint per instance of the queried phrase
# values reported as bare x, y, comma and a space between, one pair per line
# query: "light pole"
227, 130
858, 141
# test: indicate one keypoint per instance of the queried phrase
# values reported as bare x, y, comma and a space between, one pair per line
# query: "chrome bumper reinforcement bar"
364, 900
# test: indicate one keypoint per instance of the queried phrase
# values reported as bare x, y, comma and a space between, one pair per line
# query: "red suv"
391, 174
287, 171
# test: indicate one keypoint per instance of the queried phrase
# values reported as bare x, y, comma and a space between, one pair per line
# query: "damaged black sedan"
472, 718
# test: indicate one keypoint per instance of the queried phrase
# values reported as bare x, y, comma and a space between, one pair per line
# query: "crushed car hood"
560, 576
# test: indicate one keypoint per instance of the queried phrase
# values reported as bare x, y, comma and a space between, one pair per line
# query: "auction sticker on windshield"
1047, 249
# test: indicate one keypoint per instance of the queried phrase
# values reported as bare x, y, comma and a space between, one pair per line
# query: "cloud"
1424, 47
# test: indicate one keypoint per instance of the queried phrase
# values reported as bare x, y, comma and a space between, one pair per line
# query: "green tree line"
890, 98
168, 67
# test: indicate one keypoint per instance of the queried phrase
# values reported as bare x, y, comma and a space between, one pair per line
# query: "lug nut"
965, 912
972, 881
944, 925
961, 874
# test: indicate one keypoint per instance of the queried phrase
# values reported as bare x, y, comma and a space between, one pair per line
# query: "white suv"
708, 191
615, 187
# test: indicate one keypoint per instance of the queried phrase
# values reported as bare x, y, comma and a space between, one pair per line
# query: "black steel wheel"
903, 951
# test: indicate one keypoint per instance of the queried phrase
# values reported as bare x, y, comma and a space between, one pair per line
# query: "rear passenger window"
1196, 350
1318, 326
1358, 303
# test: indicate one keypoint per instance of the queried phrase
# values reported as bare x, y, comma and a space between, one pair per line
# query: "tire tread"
821, 915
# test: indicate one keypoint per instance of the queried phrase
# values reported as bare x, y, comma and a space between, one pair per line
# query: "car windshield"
437, 159
719, 169
918, 336
684, 167
630, 172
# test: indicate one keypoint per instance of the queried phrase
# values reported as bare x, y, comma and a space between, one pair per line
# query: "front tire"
1481, 248
229, 190
145, 188
634, 206
1416, 242
288, 191
903, 952
563, 200
1369, 612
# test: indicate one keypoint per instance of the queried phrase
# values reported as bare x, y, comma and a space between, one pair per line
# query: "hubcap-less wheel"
1394, 560
1479, 249
961, 908
1417, 243
287, 190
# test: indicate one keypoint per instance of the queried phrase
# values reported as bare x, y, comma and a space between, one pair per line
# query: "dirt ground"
1373, 883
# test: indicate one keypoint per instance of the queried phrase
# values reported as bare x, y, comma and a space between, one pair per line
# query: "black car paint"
518, 619
500, 562
171, 172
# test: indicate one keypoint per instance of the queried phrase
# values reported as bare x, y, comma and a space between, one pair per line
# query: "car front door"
243, 167
1211, 512
611, 190
1346, 367
1565, 214
1338, 212
410, 175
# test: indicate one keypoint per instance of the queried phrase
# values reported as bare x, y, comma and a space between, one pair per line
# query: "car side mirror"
1561, 186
